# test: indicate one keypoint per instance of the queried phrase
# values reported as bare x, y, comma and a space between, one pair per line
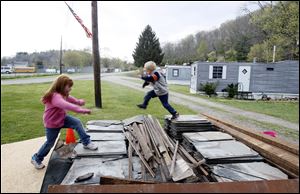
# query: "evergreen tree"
148, 48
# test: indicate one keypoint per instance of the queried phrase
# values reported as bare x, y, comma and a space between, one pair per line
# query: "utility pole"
60, 58
96, 56
274, 53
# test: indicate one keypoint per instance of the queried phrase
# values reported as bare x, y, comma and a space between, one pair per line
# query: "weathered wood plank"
130, 161
109, 180
127, 134
142, 141
174, 158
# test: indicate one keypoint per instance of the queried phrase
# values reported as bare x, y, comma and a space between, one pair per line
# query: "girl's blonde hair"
58, 86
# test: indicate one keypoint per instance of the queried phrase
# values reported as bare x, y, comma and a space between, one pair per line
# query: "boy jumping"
160, 88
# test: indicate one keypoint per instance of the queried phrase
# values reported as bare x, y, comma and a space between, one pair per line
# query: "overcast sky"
38, 26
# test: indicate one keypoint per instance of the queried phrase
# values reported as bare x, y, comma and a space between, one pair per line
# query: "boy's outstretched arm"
145, 84
151, 78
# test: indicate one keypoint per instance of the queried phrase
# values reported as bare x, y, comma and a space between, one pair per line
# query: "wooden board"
109, 180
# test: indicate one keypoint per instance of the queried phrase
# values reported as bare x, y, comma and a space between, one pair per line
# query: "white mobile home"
278, 79
178, 74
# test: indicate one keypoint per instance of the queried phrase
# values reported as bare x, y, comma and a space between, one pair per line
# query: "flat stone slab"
206, 136
104, 148
107, 136
224, 149
247, 172
101, 167
104, 123
136, 119
111, 128
187, 119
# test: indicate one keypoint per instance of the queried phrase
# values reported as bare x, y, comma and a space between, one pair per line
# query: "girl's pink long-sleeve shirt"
55, 110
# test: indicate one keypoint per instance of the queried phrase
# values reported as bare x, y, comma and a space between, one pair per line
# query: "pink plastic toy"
271, 133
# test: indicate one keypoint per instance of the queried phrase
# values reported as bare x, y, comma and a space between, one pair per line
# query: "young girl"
57, 101
160, 88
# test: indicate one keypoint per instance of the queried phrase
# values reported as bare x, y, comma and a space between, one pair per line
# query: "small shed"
178, 74
278, 79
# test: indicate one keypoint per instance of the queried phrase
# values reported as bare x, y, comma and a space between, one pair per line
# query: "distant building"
21, 63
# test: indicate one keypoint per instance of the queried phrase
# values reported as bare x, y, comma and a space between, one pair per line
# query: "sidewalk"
17, 173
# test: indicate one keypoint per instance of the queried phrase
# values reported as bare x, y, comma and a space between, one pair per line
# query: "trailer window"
175, 72
217, 71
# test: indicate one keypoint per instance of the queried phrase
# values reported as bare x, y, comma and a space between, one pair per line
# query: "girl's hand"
81, 102
86, 111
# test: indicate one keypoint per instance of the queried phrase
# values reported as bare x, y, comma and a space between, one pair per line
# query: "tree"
242, 48
202, 51
230, 55
169, 53
212, 56
77, 59
280, 23
105, 62
148, 48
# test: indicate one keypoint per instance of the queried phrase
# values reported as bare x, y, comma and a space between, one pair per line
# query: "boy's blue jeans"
163, 99
52, 133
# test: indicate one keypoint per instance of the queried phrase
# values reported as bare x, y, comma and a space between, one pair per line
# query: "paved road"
87, 76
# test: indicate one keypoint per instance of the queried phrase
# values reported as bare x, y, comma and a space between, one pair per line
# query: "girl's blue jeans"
52, 133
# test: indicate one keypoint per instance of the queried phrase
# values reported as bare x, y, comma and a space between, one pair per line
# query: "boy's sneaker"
141, 106
90, 146
175, 116
36, 164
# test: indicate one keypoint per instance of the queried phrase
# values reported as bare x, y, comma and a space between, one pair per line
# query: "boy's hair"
58, 86
150, 66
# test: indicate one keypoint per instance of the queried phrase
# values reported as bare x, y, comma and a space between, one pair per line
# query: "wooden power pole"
60, 58
96, 56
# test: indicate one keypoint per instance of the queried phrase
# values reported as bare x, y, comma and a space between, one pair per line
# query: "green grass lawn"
22, 111
282, 109
284, 131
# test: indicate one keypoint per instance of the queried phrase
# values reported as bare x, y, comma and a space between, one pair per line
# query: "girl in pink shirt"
57, 101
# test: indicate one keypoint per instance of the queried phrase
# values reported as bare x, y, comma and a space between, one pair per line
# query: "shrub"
232, 90
209, 88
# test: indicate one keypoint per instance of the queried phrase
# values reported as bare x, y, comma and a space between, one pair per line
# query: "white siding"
224, 72
210, 72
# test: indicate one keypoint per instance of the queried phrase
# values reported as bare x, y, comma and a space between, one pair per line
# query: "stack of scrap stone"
186, 123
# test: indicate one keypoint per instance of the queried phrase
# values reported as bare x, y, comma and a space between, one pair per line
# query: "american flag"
88, 33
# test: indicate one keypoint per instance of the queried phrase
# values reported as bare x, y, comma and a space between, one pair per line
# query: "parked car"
72, 70
6, 69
